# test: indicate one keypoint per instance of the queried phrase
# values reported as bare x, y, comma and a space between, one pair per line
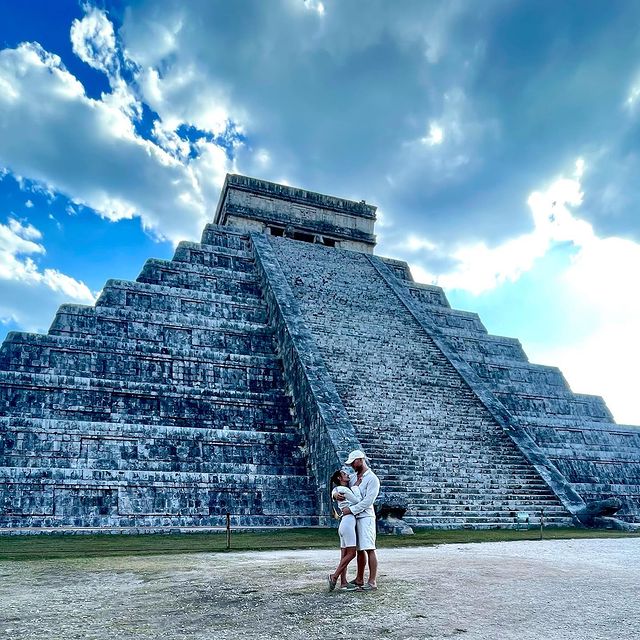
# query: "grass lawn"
37, 547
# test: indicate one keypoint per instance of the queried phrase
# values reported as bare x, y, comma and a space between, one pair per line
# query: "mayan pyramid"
235, 377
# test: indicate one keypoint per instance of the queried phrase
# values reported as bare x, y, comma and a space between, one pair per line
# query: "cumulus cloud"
93, 40
480, 267
51, 132
29, 296
294, 82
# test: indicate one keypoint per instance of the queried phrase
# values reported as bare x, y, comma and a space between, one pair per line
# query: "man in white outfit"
369, 486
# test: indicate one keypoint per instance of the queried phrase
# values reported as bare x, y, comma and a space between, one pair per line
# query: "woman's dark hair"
335, 478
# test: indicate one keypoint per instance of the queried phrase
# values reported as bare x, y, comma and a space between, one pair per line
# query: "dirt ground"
565, 589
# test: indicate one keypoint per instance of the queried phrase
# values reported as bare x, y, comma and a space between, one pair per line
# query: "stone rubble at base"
235, 377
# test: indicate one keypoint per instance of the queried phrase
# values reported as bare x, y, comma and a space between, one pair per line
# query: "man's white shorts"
347, 531
366, 529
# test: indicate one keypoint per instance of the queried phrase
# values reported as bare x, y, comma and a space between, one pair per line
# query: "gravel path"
566, 589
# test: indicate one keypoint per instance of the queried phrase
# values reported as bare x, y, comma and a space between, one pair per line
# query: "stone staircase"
161, 406
577, 432
432, 442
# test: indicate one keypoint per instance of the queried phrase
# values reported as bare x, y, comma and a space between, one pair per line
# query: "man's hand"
346, 511
339, 497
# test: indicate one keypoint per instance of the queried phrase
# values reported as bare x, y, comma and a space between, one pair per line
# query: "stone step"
30, 347
531, 389
439, 464
47, 381
263, 434
216, 257
232, 335
520, 372
117, 321
246, 253
455, 487
407, 464
568, 424
136, 367
445, 444
426, 295
480, 523
228, 340
580, 405
104, 400
402, 459
166, 523
157, 299
218, 236
489, 512
539, 392
488, 501
476, 346
272, 467
595, 454
458, 474
115, 478
445, 317
442, 469
597, 486
187, 276
122, 287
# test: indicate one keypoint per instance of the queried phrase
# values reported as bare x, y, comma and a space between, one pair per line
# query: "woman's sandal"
332, 582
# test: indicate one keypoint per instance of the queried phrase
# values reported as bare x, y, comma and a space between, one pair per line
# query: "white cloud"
480, 268
435, 135
632, 97
416, 243
452, 148
316, 6
186, 97
28, 231
94, 41
30, 296
105, 165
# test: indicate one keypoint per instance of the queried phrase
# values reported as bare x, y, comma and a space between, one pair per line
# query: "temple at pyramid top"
257, 205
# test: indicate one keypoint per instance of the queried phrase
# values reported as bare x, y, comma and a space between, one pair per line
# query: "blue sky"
499, 140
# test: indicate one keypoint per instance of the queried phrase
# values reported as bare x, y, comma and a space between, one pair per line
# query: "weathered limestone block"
390, 514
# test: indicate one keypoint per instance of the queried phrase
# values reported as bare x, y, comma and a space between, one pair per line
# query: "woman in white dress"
346, 530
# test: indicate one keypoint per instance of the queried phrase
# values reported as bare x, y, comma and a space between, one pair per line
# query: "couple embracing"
355, 494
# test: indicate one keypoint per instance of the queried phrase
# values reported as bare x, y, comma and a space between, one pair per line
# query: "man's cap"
354, 455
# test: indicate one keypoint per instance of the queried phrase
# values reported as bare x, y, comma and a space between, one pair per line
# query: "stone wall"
163, 405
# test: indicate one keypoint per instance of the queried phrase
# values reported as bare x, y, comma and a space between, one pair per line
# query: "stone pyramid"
235, 377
